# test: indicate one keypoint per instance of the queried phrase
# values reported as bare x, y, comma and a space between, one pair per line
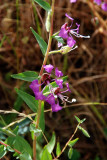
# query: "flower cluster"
54, 93
103, 4
66, 33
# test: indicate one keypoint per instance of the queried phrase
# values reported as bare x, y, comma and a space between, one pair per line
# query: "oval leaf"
25, 156
70, 153
26, 76
2, 151
78, 120
42, 43
51, 144
84, 132
72, 143
43, 4
58, 149
28, 99
46, 155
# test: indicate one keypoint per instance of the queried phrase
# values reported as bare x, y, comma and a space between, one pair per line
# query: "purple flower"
35, 88
66, 33
104, 6
56, 107
54, 94
98, 2
73, 1
58, 73
48, 68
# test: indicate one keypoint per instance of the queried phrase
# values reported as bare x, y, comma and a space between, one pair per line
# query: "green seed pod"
66, 49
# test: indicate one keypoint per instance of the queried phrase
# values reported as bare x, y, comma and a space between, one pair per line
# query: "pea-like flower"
55, 93
67, 32
73, 1
102, 3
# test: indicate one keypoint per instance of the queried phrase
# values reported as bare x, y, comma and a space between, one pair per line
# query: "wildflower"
98, 2
66, 33
54, 94
103, 4
73, 1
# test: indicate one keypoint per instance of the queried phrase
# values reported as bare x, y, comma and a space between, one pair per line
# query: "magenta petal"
104, 6
98, 2
67, 84
63, 32
50, 99
35, 86
70, 42
48, 68
39, 96
73, 1
60, 44
58, 73
59, 82
69, 16
56, 107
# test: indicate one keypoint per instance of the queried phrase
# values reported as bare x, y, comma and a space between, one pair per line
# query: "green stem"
41, 72
56, 51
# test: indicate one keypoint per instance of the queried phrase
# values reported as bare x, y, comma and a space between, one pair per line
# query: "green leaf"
46, 90
7, 132
42, 43
26, 76
2, 151
73, 142
84, 132
78, 120
35, 130
25, 156
51, 144
46, 155
70, 153
28, 99
83, 120
76, 155
58, 149
43, 4
22, 145
42, 118
9, 149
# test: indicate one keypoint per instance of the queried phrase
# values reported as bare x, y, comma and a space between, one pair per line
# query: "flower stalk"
41, 72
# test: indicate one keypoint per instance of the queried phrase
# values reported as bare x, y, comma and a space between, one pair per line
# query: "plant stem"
68, 141
41, 72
